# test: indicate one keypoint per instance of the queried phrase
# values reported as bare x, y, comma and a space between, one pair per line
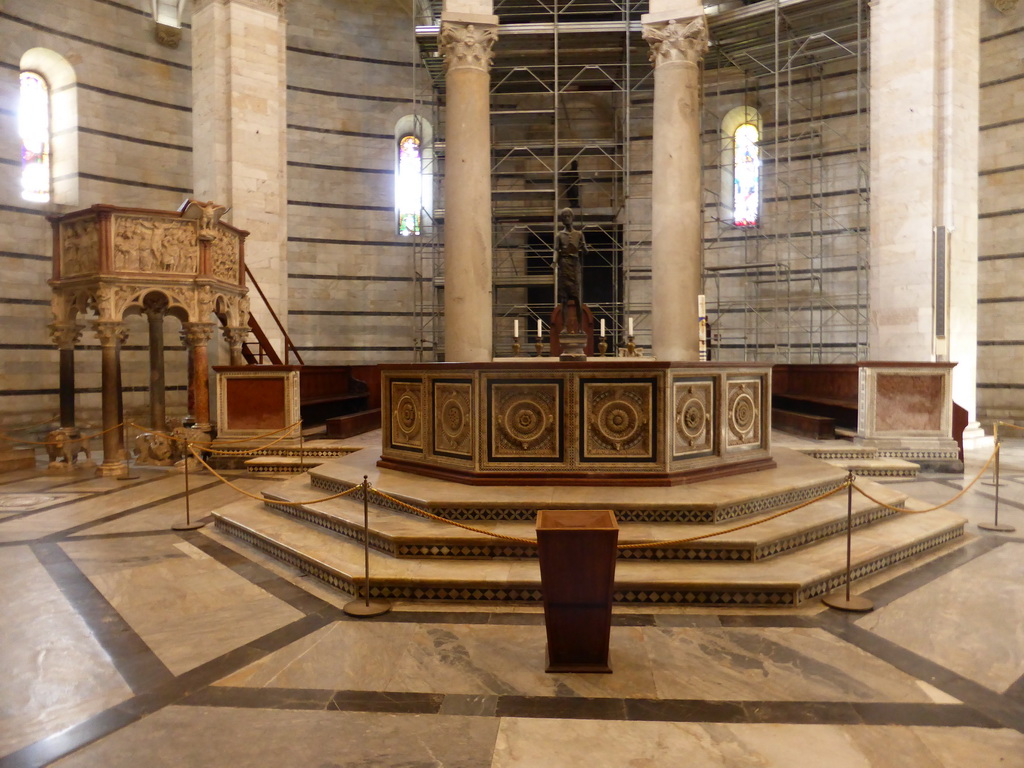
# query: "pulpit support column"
111, 334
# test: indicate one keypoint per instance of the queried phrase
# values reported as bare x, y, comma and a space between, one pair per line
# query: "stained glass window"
746, 176
34, 128
409, 186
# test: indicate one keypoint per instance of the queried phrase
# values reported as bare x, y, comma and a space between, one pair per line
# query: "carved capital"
235, 336
1005, 6
155, 306
677, 40
110, 332
467, 45
196, 334
65, 335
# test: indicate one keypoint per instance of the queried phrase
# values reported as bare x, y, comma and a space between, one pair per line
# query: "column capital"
110, 332
677, 40
196, 334
65, 335
467, 44
235, 335
274, 6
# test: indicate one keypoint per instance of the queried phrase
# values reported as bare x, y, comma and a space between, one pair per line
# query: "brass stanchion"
127, 467
995, 525
365, 608
848, 602
188, 525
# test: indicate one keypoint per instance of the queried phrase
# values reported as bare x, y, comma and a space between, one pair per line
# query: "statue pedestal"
573, 347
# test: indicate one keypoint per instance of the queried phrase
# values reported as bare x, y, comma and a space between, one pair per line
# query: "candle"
631, 326
515, 328
540, 331
602, 326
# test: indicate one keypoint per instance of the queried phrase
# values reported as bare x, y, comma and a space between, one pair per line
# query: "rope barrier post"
127, 467
848, 602
365, 608
995, 439
995, 525
188, 525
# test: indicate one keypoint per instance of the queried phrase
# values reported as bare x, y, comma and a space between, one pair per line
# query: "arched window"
48, 125
746, 170
409, 185
34, 129
740, 164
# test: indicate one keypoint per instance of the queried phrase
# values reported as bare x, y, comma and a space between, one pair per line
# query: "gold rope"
1008, 424
966, 488
264, 499
27, 427
54, 442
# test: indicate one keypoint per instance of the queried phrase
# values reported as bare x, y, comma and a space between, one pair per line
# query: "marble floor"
126, 643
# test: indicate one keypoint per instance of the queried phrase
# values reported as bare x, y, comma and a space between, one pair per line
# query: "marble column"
677, 46
111, 334
66, 336
923, 281
196, 337
466, 41
239, 135
235, 338
155, 308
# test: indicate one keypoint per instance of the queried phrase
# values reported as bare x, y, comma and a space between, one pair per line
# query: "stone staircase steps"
805, 573
404, 534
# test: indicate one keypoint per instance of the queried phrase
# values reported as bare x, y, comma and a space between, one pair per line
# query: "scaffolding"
794, 288
571, 121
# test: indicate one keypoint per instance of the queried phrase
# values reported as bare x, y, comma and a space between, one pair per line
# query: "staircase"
781, 562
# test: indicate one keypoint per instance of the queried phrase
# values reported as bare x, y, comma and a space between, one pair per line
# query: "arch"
62, 98
414, 156
740, 165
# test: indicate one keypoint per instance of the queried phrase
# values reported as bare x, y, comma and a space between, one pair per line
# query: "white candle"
540, 331
631, 326
515, 328
602, 326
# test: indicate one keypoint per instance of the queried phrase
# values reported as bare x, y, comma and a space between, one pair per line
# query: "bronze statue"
569, 257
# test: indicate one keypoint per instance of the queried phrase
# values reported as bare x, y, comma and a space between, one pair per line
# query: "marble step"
404, 534
281, 464
795, 479
840, 450
886, 467
12, 459
783, 581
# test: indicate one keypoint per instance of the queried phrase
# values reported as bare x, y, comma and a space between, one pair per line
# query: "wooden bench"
813, 400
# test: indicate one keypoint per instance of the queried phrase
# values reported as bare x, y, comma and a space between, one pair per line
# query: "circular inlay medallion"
407, 413
690, 418
618, 421
524, 421
743, 413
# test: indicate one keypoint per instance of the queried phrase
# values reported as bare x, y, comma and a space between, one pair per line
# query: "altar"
605, 421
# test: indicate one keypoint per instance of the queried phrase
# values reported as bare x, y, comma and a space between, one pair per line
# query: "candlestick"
602, 345
630, 345
515, 346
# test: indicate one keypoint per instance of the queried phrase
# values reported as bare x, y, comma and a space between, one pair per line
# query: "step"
803, 424
795, 479
404, 534
877, 467
784, 581
12, 459
840, 450
352, 424
281, 464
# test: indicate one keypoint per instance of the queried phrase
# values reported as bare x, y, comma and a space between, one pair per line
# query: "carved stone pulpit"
113, 262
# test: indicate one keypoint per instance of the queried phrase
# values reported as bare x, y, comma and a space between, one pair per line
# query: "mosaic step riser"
624, 514
482, 549
625, 594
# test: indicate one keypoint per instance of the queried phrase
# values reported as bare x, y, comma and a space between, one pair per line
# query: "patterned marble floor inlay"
970, 620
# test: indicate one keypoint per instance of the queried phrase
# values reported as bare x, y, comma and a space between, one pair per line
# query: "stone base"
934, 453
572, 347
111, 469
